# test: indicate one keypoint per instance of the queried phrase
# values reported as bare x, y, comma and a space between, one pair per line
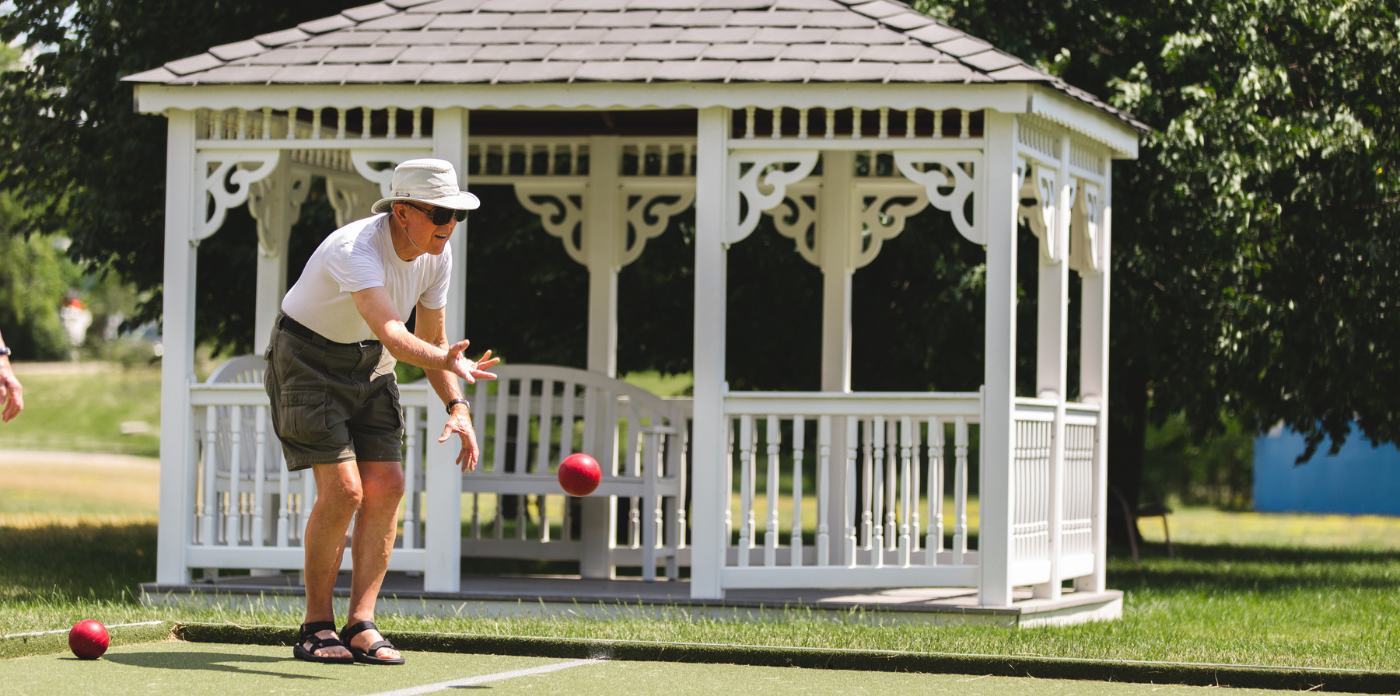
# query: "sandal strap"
318, 642
311, 629
374, 649
348, 633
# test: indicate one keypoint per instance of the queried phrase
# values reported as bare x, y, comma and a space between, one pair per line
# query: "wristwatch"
454, 402
4, 351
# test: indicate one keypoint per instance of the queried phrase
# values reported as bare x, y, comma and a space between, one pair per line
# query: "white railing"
823, 489
1037, 468
249, 511
255, 518
866, 454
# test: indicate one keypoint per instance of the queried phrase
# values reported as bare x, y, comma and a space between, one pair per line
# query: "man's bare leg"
373, 541
338, 495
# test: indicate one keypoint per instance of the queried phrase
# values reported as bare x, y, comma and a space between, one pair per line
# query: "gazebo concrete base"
538, 596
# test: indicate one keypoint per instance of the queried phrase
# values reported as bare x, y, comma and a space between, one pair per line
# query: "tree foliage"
1255, 239
79, 158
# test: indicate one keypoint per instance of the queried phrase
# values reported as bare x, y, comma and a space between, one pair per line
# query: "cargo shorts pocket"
301, 416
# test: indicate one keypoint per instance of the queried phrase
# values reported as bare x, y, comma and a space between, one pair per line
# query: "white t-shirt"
355, 257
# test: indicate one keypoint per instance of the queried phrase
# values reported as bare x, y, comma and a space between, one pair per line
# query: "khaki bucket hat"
431, 181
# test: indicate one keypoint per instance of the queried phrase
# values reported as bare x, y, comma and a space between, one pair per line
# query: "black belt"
296, 328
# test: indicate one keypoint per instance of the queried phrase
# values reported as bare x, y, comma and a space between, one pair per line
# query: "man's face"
417, 221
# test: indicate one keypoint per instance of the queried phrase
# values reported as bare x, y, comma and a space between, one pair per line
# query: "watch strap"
454, 402
4, 351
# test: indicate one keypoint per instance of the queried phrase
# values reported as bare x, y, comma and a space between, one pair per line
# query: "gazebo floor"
562, 595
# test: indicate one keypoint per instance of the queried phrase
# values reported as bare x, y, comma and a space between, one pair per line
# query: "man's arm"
431, 327
440, 360
383, 318
10, 391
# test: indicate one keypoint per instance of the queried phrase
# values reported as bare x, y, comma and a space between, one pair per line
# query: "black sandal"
308, 635
367, 656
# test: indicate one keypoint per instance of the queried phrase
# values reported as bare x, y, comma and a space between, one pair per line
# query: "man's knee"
383, 484
343, 491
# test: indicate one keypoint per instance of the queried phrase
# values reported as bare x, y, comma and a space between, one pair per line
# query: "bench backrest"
534, 416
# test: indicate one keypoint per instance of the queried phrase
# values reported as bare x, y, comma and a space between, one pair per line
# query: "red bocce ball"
88, 639
579, 474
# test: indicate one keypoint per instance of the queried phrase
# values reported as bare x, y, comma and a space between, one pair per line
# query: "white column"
276, 220
443, 490
183, 205
708, 494
835, 229
1093, 382
836, 239
1052, 351
998, 424
600, 241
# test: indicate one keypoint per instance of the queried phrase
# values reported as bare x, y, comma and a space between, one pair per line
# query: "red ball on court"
579, 474
88, 639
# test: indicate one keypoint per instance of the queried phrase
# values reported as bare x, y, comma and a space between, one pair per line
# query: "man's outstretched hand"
460, 422
468, 369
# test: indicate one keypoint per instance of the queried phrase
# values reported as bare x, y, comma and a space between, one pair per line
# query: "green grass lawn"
85, 412
1291, 596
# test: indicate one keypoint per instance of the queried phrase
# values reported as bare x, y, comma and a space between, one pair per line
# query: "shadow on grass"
208, 661
1257, 569
101, 561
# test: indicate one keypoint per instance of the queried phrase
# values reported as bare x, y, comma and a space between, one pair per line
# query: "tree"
81, 161
1255, 239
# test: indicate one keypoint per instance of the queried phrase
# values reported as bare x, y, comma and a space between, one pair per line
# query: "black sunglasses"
441, 216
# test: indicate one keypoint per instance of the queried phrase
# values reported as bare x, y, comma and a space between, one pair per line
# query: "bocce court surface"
222, 669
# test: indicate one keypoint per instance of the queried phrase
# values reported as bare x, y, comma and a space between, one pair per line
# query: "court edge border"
49, 642
1143, 672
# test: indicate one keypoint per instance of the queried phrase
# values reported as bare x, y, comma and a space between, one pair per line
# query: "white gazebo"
838, 119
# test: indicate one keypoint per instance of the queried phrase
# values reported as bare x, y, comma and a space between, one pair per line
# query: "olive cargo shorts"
332, 402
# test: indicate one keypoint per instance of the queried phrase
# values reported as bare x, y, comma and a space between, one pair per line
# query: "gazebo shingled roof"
505, 41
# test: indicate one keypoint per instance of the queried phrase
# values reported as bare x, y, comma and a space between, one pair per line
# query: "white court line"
473, 681
65, 630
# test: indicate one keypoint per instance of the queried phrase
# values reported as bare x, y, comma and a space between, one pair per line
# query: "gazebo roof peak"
647, 41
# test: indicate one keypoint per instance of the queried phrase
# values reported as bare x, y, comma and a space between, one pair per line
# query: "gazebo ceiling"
417, 42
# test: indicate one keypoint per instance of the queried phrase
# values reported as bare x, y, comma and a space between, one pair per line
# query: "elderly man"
10, 391
335, 403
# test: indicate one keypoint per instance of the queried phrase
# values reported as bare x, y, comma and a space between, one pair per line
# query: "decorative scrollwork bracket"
649, 215
350, 198
761, 179
796, 216
216, 167
949, 177
883, 212
364, 161
1038, 205
261, 198
560, 207
1086, 230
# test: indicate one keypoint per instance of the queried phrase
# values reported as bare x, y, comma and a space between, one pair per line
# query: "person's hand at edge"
11, 394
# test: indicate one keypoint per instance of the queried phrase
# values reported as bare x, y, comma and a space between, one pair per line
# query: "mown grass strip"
1238, 676
50, 642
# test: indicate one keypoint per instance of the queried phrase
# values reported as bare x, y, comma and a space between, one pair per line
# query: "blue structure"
1359, 480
